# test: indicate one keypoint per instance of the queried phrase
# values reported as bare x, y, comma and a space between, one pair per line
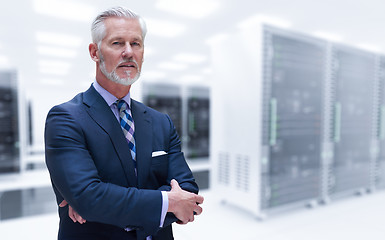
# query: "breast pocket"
159, 167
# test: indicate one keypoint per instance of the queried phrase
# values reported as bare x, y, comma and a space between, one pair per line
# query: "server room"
279, 107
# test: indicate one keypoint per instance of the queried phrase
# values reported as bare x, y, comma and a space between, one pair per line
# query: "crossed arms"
77, 179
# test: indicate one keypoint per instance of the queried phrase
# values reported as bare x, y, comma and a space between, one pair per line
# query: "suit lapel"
101, 113
143, 141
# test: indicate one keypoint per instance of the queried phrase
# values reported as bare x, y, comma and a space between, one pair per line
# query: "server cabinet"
9, 123
165, 98
267, 124
294, 73
197, 122
188, 108
295, 119
354, 127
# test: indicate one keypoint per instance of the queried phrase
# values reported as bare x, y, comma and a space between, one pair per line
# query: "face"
121, 50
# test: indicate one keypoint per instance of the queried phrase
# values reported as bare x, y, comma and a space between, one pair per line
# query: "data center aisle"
355, 218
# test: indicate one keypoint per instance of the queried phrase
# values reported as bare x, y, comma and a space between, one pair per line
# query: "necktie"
127, 124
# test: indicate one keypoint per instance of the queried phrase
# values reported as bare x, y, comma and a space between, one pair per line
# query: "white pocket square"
158, 153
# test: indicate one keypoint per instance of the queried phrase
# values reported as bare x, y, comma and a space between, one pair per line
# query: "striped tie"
127, 124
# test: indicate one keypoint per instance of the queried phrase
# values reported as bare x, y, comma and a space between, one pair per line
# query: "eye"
116, 43
135, 44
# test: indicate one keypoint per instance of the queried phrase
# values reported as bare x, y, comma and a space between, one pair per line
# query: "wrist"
171, 201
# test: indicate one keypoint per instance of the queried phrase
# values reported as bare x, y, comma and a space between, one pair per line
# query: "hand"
72, 213
183, 204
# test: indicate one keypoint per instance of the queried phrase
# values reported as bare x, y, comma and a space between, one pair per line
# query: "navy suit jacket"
90, 166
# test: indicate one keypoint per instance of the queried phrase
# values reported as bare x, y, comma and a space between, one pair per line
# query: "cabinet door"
294, 76
198, 122
354, 81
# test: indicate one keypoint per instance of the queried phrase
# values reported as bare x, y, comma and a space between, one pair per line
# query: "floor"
353, 218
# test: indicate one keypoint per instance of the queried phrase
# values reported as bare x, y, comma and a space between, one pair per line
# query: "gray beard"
113, 76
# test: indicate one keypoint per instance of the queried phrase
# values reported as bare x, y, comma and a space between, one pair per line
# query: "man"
117, 162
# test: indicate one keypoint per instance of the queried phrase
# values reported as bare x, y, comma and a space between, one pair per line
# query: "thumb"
174, 185
63, 203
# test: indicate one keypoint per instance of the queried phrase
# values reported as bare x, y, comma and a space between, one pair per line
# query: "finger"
71, 214
198, 210
199, 199
63, 203
75, 216
78, 218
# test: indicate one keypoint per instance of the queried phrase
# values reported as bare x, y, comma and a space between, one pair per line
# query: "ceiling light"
54, 71
54, 64
192, 9
190, 58
164, 28
328, 36
58, 39
172, 66
264, 19
54, 67
370, 47
52, 81
56, 51
67, 9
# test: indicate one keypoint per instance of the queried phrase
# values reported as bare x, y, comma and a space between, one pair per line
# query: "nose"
127, 51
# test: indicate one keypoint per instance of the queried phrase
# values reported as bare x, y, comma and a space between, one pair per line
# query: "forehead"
122, 28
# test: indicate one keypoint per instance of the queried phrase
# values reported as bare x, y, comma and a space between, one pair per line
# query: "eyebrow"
121, 38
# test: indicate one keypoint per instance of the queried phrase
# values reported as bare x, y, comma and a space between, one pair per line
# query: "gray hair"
98, 29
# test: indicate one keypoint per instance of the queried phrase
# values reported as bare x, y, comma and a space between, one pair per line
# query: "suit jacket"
90, 166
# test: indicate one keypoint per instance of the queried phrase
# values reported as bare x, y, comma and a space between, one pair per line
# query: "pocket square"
158, 153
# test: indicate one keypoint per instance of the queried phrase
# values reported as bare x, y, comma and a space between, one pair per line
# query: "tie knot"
121, 104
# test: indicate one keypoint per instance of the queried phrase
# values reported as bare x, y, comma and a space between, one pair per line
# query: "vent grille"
242, 172
224, 168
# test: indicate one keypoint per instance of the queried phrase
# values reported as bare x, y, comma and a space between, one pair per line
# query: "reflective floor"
351, 219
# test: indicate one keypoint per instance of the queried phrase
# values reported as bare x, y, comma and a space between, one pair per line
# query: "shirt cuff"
164, 207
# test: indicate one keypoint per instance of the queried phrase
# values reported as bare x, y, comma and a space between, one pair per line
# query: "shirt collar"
108, 97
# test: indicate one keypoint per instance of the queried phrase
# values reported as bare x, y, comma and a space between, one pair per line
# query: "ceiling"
46, 41
176, 47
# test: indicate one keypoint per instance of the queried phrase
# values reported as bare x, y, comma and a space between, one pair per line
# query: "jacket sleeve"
178, 170
75, 178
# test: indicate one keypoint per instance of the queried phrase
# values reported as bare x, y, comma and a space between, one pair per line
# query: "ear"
93, 49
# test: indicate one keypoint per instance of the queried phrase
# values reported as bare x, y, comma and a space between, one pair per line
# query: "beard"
113, 76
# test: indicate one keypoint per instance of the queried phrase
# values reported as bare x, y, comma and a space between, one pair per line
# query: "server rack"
267, 127
9, 123
295, 120
294, 68
197, 120
165, 98
354, 126
188, 107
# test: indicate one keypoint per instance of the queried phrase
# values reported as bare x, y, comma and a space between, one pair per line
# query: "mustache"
124, 60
